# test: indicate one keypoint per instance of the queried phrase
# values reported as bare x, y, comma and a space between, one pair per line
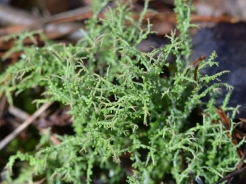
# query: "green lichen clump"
122, 109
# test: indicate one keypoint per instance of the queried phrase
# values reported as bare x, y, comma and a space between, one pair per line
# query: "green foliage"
121, 106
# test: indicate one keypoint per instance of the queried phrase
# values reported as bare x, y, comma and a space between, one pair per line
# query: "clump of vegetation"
122, 109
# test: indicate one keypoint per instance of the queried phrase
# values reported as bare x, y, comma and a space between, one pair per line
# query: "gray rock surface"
229, 42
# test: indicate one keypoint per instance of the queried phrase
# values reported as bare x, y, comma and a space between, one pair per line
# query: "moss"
121, 106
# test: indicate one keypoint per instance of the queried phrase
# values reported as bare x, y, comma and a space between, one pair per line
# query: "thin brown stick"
11, 136
52, 30
23, 116
197, 63
227, 125
3, 103
223, 118
170, 17
235, 173
197, 66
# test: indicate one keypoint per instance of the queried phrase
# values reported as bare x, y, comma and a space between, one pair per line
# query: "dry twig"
11, 136
23, 116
